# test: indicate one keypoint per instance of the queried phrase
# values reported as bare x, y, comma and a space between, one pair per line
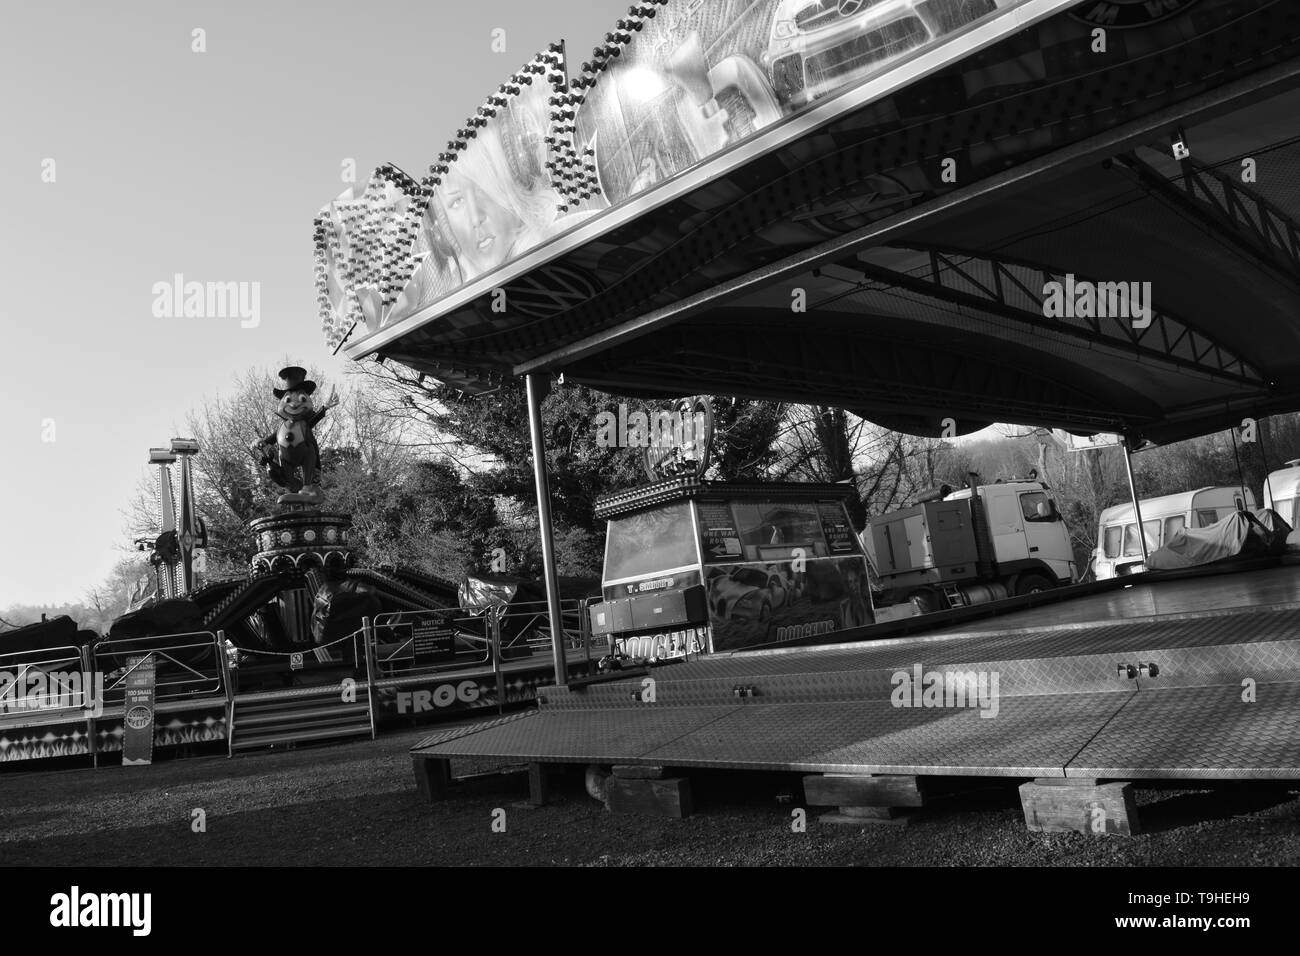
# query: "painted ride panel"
696, 567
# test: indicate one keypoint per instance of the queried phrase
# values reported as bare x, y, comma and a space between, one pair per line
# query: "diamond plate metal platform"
1059, 699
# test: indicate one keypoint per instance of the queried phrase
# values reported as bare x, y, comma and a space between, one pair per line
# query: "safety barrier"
396, 643
50, 679
185, 665
203, 668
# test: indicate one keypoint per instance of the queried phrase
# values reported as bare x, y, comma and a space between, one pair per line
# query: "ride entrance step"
326, 713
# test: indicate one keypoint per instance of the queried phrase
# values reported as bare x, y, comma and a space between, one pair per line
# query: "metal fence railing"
76, 683
185, 665
430, 641
48, 680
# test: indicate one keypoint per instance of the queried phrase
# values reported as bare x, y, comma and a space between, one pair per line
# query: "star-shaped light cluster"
371, 243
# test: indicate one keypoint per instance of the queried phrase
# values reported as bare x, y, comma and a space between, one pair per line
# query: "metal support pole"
493, 618
538, 387
88, 703
227, 685
367, 640
1137, 510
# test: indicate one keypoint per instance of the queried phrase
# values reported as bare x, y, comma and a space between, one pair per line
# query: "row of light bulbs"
357, 241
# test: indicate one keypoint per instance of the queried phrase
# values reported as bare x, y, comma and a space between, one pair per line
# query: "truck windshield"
649, 542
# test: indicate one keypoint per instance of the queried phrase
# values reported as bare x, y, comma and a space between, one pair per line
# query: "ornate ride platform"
299, 539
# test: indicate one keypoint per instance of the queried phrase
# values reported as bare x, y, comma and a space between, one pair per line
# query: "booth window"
777, 524
649, 542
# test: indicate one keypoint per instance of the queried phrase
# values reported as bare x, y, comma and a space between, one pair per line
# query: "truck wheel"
925, 599
1032, 584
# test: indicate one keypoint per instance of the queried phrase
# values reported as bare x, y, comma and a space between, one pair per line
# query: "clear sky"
210, 165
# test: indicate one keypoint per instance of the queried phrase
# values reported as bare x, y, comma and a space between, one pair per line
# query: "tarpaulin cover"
481, 591
60, 631
1241, 534
172, 616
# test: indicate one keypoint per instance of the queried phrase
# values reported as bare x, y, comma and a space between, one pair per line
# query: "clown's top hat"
294, 379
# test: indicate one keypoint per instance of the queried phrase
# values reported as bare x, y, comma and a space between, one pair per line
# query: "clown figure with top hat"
291, 450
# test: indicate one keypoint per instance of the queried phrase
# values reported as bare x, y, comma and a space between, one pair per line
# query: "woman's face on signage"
484, 230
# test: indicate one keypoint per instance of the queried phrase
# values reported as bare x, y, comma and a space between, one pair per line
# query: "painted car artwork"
753, 604
695, 80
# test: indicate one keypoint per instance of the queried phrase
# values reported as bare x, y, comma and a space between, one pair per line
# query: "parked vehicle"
941, 552
1282, 492
1118, 550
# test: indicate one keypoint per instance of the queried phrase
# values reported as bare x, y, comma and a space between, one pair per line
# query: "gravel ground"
356, 804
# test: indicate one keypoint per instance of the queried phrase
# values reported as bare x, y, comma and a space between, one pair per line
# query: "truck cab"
1028, 534
974, 545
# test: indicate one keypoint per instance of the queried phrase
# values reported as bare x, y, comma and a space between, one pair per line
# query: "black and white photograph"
859, 436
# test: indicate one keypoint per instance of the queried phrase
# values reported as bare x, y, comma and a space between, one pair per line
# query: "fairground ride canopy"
1074, 215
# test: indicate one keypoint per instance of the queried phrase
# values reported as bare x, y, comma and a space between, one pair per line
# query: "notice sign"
839, 534
137, 717
432, 641
718, 531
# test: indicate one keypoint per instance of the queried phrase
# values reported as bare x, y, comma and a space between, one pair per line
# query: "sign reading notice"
432, 641
137, 717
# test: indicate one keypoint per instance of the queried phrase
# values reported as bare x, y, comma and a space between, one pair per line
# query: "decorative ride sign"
681, 440
137, 717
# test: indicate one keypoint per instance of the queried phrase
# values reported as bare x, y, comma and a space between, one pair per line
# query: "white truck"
941, 552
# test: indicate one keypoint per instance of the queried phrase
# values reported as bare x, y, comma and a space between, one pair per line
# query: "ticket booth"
698, 567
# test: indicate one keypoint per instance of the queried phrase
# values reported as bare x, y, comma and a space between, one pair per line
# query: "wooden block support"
432, 777
1057, 805
538, 791
668, 797
863, 790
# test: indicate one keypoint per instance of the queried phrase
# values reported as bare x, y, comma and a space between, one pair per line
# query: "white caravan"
1118, 550
1282, 492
